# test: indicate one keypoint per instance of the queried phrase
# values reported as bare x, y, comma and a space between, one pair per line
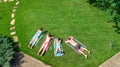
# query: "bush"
6, 51
112, 6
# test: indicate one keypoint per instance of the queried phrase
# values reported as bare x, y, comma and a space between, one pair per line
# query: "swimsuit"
37, 35
45, 45
58, 45
77, 47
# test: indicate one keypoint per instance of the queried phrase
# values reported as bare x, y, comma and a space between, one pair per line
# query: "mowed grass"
5, 17
67, 18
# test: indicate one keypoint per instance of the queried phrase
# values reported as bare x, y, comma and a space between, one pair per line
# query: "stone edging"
12, 23
6, 1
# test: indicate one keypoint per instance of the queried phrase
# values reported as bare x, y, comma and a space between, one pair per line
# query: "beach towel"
36, 36
70, 45
47, 47
57, 53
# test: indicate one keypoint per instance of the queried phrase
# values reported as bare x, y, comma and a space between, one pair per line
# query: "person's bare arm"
52, 37
71, 37
66, 41
60, 41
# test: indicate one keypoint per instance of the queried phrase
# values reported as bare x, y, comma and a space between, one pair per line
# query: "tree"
112, 6
6, 51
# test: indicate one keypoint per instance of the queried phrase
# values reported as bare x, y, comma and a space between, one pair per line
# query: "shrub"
112, 6
6, 51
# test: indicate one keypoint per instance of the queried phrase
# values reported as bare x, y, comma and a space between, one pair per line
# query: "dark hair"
59, 38
41, 28
68, 38
49, 35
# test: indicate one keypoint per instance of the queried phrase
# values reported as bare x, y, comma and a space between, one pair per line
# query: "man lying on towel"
45, 44
77, 46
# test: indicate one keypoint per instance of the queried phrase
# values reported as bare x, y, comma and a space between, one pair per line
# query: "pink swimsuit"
45, 45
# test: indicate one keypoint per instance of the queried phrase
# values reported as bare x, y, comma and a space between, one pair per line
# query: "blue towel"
57, 53
39, 37
81, 44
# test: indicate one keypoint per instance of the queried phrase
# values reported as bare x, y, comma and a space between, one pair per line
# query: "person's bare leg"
42, 52
44, 49
83, 53
29, 45
33, 43
39, 51
86, 50
56, 50
60, 50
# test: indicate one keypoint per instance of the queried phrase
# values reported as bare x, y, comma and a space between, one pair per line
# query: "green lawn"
5, 14
67, 18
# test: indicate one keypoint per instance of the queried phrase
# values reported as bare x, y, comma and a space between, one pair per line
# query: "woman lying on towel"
35, 38
77, 46
45, 44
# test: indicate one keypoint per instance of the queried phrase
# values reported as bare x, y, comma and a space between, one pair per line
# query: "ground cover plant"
62, 19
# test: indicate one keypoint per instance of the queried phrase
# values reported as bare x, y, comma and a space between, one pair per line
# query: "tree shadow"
117, 29
45, 32
0, 17
17, 56
17, 60
91, 1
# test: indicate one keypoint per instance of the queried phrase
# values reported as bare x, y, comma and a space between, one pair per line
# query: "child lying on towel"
58, 51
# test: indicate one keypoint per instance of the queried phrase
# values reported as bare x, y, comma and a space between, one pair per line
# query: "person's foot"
86, 56
29, 46
89, 52
38, 54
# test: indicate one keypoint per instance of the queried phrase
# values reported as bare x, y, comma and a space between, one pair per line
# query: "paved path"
23, 60
31, 62
112, 62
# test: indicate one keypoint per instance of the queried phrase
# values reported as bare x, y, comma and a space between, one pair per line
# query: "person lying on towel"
35, 38
45, 44
77, 46
58, 45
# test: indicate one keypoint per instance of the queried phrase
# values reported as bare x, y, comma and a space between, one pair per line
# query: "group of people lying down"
48, 39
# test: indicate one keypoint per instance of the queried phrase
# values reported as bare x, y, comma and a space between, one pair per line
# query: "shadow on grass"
117, 29
7, 44
17, 56
91, 1
0, 17
17, 60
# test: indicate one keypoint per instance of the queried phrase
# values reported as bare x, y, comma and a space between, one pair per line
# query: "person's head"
41, 29
48, 35
59, 39
68, 38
